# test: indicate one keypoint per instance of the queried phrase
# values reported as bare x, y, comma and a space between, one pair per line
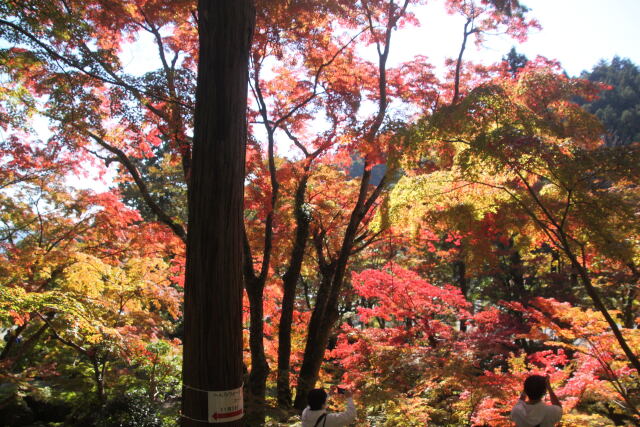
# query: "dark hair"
316, 398
535, 386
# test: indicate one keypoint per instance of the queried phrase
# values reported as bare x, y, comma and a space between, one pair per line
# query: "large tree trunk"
289, 282
213, 283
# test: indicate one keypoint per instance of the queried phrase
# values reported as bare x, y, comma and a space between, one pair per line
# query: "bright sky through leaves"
578, 33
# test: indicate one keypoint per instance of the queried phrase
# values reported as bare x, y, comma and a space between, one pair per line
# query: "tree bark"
317, 339
28, 345
13, 337
460, 277
98, 376
466, 34
259, 367
599, 304
289, 282
213, 284
325, 313
516, 273
630, 298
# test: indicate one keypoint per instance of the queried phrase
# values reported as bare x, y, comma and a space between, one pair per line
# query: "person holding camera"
530, 411
315, 415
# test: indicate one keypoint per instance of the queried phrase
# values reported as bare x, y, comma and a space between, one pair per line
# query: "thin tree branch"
142, 187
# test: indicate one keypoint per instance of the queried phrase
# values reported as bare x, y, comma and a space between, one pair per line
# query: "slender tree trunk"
325, 313
516, 273
313, 356
289, 282
317, 340
98, 376
460, 277
316, 345
628, 311
259, 366
213, 284
284, 344
28, 345
13, 337
466, 34
631, 298
597, 301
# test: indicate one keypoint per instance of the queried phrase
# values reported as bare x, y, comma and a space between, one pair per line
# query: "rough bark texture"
213, 285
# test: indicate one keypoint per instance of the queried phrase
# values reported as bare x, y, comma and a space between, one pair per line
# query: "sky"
578, 33
581, 32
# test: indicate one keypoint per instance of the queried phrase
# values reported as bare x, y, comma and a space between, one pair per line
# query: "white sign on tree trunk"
225, 406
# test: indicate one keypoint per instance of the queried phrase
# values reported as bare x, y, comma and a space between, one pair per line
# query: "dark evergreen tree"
515, 61
618, 108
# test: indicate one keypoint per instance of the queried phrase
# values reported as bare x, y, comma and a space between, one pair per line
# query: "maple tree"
427, 240
64, 290
578, 185
326, 65
542, 156
73, 73
286, 107
375, 144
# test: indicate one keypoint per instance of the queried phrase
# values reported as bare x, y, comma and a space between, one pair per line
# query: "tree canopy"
425, 237
618, 105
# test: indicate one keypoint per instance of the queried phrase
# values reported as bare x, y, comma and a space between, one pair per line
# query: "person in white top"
533, 412
315, 415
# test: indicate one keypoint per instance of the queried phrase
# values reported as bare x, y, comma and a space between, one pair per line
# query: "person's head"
535, 387
316, 398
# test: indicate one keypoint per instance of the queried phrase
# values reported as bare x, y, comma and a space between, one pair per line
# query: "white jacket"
339, 419
528, 415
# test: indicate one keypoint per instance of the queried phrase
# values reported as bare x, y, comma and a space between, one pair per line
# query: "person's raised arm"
349, 414
552, 396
